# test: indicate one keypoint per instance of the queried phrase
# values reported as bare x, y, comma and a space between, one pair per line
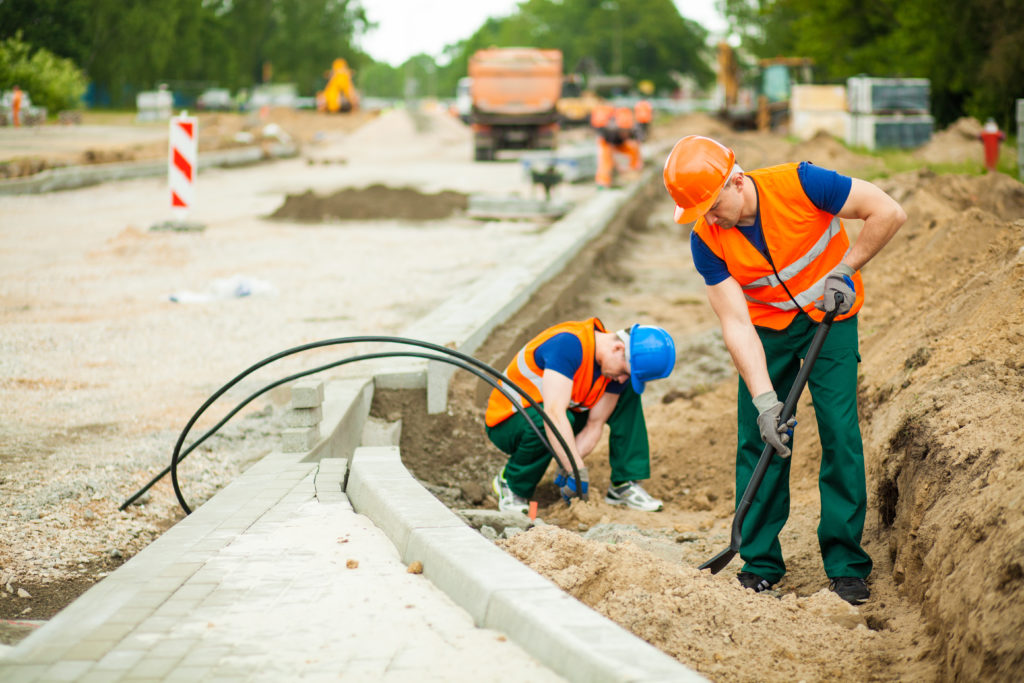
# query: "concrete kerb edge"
465, 320
497, 590
481, 578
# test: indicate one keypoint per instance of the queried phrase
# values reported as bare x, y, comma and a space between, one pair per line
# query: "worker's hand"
561, 476
772, 433
570, 486
839, 280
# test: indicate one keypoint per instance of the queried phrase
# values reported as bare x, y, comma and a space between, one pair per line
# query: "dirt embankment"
942, 342
943, 417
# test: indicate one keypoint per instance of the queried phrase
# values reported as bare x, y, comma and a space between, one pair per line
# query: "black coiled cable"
459, 359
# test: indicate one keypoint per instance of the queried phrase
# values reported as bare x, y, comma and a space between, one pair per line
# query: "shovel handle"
716, 564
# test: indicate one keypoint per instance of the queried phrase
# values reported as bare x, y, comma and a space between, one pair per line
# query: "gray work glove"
839, 280
776, 435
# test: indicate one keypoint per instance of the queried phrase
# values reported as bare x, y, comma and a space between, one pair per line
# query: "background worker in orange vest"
616, 132
773, 252
584, 377
16, 105
644, 114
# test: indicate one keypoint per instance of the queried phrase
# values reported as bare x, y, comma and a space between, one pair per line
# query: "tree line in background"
971, 50
124, 47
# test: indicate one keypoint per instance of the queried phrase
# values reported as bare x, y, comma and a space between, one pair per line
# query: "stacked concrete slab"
889, 112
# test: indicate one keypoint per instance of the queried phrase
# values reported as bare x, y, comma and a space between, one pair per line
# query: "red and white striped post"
182, 161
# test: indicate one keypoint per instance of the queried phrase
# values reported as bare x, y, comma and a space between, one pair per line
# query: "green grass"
901, 160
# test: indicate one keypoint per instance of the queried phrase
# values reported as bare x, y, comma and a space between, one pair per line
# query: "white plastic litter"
234, 287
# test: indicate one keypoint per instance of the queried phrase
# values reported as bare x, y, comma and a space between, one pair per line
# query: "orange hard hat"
696, 170
600, 115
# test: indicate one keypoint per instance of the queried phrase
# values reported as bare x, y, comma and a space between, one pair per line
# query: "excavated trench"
639, 568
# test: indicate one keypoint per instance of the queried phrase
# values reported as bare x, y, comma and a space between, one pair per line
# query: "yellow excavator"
340, 94
764, 102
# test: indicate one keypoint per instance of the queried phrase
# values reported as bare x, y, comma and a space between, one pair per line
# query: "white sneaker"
632, 495
507, 500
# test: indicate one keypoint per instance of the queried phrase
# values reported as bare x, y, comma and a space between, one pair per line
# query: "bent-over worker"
583, 377
773, 252
616, 134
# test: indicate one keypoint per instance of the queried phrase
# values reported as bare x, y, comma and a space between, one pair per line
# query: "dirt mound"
708, 622
944, 373
692, 124
827, 152
959, 143
373, 202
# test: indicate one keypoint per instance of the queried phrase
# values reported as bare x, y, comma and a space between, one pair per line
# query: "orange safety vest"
805, 244
587, 389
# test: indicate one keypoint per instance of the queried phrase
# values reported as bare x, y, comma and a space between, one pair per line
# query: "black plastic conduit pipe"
177, 455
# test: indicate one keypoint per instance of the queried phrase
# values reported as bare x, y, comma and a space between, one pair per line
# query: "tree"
50, 81
972, 51
126, 47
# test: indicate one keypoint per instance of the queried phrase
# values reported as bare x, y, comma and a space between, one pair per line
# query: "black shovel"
718, 562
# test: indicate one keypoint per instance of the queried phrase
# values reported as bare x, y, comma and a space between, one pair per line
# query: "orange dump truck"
514, 91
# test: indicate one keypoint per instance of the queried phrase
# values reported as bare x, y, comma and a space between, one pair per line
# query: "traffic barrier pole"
182, 164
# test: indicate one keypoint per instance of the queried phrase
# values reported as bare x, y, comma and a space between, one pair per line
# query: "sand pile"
373, 202
708, 622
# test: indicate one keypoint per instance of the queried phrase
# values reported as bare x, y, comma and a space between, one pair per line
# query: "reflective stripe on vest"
524, 371
805, 243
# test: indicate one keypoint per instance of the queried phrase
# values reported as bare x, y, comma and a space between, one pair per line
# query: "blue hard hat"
652, 355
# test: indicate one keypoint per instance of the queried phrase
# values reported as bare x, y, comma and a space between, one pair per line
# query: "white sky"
411, 27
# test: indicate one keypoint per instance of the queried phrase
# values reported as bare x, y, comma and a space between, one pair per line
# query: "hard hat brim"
683, 216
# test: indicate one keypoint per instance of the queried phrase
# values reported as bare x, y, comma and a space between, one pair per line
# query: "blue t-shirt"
563, 353
826, 189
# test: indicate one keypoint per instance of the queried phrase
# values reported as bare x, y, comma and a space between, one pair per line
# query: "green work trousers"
528, 457
841, 481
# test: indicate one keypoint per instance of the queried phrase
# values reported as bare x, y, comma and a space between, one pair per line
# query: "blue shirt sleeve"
711, 268
563, 353
826, 189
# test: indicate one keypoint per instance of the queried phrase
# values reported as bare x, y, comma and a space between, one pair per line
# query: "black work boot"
853, 589
753, 581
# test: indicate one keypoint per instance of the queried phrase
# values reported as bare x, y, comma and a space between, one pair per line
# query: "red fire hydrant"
991, 137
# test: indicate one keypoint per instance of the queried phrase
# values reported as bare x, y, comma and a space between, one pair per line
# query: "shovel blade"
719, 561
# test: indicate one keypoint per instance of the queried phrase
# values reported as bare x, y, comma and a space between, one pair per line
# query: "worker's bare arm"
882, 216
741, 339
557, 392
591, 433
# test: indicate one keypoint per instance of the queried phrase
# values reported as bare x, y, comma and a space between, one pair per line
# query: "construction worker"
583, 377
644, 113
16, 96
616, 132
773, 252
